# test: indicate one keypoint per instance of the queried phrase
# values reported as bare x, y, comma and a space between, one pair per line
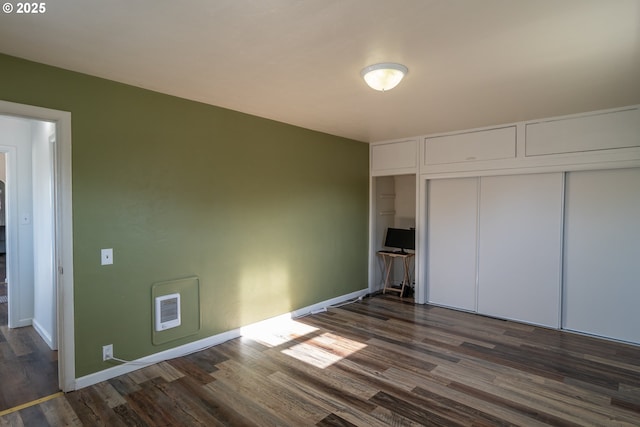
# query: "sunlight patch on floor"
324, 350
276, 331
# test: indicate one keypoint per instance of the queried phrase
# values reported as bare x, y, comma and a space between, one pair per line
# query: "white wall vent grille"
167, 312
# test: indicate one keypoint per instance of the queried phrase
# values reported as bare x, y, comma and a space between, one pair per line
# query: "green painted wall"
271, 217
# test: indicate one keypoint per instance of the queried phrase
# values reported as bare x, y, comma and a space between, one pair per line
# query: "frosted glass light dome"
384, 76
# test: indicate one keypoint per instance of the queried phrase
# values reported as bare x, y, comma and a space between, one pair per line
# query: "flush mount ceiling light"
384, 76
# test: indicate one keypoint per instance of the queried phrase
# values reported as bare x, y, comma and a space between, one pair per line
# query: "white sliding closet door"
602, 253
452, 224
520, 247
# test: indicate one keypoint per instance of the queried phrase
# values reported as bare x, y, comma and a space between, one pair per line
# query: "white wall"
15, 138
44, 314
3, 178
405, 189
383, 206
3, 168
405, 204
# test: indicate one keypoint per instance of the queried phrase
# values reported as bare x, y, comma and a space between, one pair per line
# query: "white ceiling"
471, 63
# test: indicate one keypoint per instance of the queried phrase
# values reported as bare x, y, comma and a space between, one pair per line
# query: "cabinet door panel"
490, 144
602, 253
394, 158
606, 131
452, 219
520, 247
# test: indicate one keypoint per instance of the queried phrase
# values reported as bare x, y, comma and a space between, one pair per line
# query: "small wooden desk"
388, 258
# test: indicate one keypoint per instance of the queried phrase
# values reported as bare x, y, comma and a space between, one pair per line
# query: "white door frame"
63, 232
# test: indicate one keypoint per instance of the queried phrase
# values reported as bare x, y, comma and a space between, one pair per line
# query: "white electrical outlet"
106, 256
107, 352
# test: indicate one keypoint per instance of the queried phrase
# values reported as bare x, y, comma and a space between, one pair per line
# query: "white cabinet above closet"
491, 144
557, 144
603, 131
576, 142
394, 158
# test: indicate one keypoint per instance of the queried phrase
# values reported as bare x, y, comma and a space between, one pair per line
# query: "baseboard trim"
322, 306
125, 368
44, 334
22, 323
143, 362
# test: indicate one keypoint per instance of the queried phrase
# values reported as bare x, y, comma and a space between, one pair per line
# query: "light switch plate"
107, 256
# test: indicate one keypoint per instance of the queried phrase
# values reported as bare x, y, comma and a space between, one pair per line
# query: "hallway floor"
28, 368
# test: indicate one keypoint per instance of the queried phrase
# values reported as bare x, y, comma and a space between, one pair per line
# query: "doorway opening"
36, 322
30, 325
3, 235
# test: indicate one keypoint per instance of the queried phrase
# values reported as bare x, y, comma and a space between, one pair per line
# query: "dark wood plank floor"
379, 362
28, 367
